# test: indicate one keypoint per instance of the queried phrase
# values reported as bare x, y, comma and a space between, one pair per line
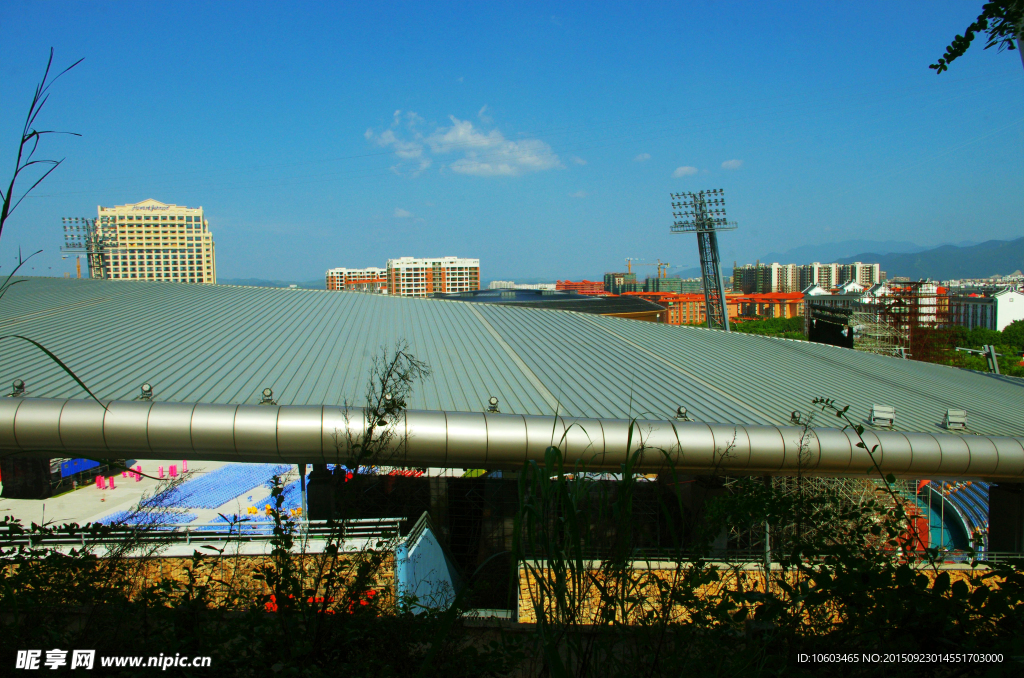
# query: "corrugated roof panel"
225, 344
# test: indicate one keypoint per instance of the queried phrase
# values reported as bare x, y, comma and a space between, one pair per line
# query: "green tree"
1003, 20
1013, 335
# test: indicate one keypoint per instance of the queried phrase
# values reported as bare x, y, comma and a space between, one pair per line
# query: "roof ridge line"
510, 352
683, 371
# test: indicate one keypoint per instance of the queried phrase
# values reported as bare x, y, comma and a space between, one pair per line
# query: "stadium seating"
148, 518
214, 489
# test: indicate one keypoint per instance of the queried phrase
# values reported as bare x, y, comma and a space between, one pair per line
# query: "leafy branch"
829, 405
30, 138
1004, 22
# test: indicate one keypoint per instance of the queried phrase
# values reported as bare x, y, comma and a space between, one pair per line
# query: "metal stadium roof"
220, 344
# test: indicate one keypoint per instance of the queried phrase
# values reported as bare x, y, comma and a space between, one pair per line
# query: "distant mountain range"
949, 262
829, 252
966, 259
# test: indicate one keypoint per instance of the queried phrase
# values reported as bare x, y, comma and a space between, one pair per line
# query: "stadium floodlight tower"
703, 213
91, 237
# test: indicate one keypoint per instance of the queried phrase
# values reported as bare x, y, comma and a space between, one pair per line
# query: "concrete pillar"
25, 478
320, 493
439, 506
695, 492
1006, 518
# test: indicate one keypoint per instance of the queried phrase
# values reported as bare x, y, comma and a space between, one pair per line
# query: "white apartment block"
834, 275
151, 240
825, 276
994, 312
370, 279
412, 277
863, 274
759, 278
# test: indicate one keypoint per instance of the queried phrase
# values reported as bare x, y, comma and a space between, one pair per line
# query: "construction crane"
703, 213
640, 262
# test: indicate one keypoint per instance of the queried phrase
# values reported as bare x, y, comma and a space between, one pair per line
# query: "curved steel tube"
318, 434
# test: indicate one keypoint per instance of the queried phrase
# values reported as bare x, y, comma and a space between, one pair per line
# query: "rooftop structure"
626, 306
512, 285
582, 287
316, 348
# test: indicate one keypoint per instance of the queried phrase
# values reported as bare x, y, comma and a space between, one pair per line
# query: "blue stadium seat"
214, 489
148, 518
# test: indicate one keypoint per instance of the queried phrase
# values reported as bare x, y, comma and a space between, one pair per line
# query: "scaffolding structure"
873, 334
910, 319
901, 319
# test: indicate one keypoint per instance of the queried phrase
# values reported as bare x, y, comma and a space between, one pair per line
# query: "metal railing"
757, 556
188, 533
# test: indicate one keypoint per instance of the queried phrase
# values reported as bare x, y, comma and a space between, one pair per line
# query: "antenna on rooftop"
703, 213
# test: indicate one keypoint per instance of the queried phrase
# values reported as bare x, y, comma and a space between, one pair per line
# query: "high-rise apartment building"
827, 276
617, 283
412, 277
370, 279
787, 278
674, 285
765, 278
151, 240
862, 274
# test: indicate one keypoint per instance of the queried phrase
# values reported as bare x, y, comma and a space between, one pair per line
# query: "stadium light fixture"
883, 415
268, 397
955, 420
146, 391
492, 404
17, 388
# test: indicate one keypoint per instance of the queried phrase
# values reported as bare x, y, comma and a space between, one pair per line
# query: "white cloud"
482, 114
684, 172
578, 160
479, 152
578, 194
642, 157
406, 149
402, 214
732, 164
460, 80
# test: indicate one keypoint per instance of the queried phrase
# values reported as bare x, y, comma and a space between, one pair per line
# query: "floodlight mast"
703, 213
93, 237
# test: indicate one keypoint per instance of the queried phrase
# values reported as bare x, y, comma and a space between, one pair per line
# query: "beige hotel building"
154, 241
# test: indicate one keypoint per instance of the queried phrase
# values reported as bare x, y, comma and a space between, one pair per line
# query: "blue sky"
543, 138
